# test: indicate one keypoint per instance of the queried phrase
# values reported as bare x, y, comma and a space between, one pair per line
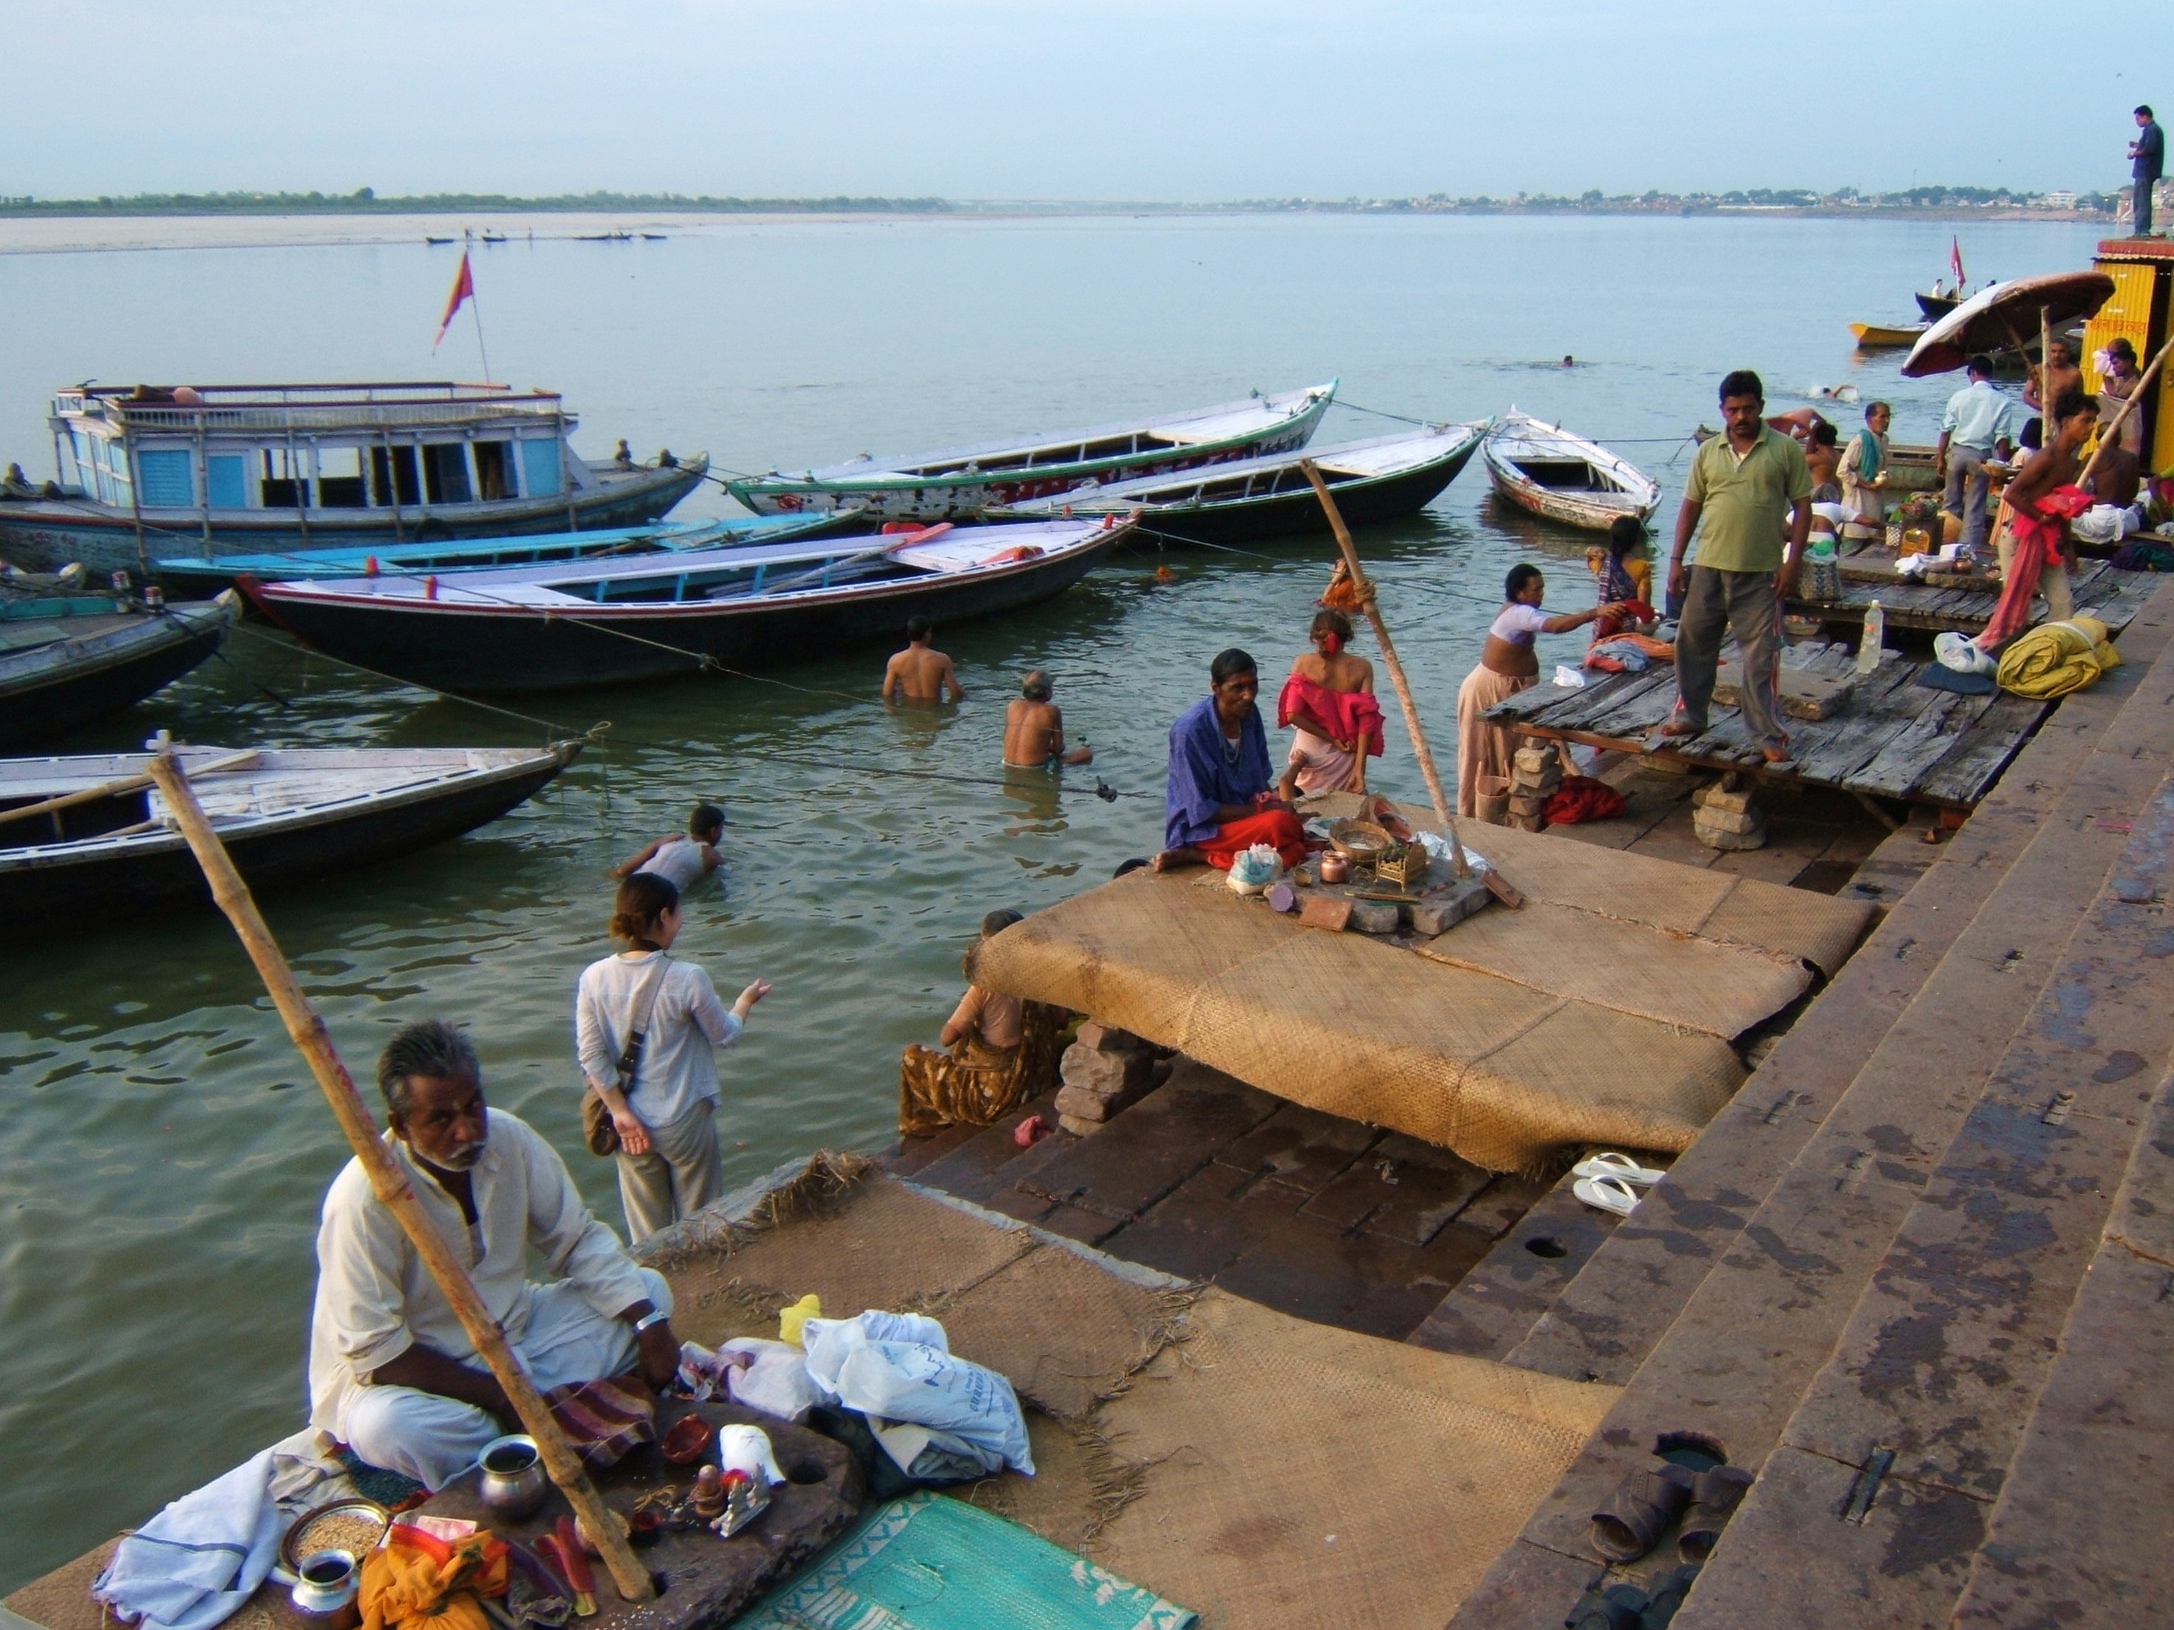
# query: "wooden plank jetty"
1892, 738
1950, 601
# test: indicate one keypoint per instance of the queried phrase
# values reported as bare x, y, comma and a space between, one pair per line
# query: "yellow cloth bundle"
793, 1322
2055, 658
417, 1581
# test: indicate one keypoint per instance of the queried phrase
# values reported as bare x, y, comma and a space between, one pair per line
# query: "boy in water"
683, 860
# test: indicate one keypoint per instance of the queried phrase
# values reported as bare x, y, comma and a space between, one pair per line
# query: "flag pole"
475, 310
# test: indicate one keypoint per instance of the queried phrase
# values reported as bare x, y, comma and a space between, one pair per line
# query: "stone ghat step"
1942, 1363
1768, 1270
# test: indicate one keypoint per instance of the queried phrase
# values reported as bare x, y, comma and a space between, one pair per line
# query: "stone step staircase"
1875, 1249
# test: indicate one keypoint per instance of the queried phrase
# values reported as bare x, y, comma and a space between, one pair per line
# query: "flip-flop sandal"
1714, 1496
1606, 1194
1639, 1512
1612, 1607
1608, 1163
1668, 1595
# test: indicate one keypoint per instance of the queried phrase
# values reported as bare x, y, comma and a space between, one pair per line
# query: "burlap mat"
1501, 1072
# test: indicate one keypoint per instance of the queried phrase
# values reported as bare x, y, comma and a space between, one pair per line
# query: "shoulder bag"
597, 1126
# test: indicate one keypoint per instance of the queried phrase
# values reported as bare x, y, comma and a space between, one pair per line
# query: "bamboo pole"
113, 789
2112, 432
1496, 883
391, 1186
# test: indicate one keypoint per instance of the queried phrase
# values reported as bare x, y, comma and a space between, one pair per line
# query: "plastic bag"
1568, 677
774, 1379
747, 1449
899, 1367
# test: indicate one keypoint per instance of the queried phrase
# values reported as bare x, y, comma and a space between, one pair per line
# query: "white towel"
201, 1558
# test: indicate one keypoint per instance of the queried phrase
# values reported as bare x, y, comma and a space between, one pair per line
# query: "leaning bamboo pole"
389, 1183
1364, 588
2112, 432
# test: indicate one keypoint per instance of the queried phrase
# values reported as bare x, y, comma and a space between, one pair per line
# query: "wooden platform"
1952, 603
1895, 738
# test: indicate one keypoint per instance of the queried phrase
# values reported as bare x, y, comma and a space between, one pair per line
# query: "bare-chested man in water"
1034, 728
920, 673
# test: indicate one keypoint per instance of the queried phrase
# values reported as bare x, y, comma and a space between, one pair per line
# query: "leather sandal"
1639, 1512
1715, 1495
1667, 1597
1609, 1607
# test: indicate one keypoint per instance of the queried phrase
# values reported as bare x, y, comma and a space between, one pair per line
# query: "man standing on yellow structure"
2147, 162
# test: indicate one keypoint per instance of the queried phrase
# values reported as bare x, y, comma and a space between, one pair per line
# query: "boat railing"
344, 416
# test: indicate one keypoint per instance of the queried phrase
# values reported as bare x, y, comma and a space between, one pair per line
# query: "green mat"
930, 1563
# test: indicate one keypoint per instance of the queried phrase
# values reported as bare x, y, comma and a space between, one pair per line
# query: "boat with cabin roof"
208, 470
959, 485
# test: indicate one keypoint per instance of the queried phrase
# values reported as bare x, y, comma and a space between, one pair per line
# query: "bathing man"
1034, 728
392, 1373
684, 858
920, 673
1221, 798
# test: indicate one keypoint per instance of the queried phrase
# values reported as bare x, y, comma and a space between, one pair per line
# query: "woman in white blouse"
666, 1117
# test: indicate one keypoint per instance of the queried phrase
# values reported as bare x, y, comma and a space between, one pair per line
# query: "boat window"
540, 467
339, 478
168, 482
279, 489
225, 479
445, 472
494, 470
384, 468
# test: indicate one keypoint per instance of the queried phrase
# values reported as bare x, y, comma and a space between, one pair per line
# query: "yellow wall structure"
2128, 316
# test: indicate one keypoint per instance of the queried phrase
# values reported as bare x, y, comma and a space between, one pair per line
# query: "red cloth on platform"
1583, 798
2037, 545
1278, 828
1346, 713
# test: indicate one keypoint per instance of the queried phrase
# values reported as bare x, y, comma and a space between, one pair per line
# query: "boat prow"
68, 659
1560, 476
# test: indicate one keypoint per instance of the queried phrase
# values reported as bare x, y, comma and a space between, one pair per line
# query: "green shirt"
1745, 503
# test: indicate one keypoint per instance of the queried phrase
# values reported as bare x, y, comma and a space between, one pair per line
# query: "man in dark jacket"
2147, 162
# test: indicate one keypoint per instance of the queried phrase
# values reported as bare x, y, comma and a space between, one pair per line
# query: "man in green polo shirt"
1753, 490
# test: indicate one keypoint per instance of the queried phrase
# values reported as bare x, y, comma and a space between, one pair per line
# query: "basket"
1822, 579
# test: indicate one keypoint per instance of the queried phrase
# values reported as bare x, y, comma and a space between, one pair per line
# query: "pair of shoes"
1609, 1182
1640, 1510
1960, 652
1626, 1607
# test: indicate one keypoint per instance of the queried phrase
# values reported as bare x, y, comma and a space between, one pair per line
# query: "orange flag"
464, 287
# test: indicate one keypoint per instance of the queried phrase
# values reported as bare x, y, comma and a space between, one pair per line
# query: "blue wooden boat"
66, 659
597, 622
1380, 479
210, 470
541, 549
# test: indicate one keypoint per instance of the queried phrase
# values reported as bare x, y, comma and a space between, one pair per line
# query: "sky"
1091, 100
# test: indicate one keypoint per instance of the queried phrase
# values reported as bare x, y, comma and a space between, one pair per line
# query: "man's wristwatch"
653, 1316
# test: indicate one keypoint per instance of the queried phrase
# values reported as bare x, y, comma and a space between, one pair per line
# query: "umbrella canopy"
1992, 319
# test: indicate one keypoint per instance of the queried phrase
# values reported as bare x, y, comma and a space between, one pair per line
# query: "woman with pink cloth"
2041, 501
1329, 701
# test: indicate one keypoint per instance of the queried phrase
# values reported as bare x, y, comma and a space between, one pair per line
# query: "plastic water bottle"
1868, 648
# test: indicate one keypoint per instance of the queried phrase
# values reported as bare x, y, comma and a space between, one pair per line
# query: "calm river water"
162, 1150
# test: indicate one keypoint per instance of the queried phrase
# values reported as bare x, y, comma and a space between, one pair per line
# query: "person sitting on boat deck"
1623, 575
17, 484
392, 1372
1863, 473
1823, 456
2117, 383
920, 673
2061, 377
1507, 665
1329, 702
623, 455
1221, 798
1747, 490
684, 858
2041, 499
1979, 422
1034, 728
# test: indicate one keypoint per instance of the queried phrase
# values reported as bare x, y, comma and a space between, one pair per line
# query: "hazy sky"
1070, 99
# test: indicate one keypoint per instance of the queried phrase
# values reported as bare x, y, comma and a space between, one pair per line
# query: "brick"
1535, 761
1439, 913
1717, 797
1106, 1038
1710, 819
1327, 911
1104, 1074
1376, 916
1079, 1126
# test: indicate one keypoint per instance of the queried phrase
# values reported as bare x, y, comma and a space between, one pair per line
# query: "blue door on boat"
540, 467
227, 481
166, 482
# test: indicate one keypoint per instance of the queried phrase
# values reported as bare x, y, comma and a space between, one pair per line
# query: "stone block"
1439, 913
1714, 796
1105, 1074
1079, 1128
1710, 819
1716, 838
1527, 823
1107, 1038
1376, 916
1537, 761
1523, 804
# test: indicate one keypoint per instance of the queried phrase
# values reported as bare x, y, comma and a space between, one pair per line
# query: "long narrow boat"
964, 482
89, 832
1563, 477
665, 537
67, 659
605, 622
1883, 337
1269, 497
242, 469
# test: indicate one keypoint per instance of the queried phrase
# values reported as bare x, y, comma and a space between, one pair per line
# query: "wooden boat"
602, 622
494, 237
1937, 306
1563, 477
242, 469
665, 537
960, 484
1880, 337
428, 239
1269, 497
101, 835
70, 658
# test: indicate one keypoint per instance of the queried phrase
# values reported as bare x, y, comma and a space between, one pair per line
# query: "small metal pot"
514, 1484
324, 1596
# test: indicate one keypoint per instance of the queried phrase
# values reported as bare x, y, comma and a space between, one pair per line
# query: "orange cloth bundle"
417, 1581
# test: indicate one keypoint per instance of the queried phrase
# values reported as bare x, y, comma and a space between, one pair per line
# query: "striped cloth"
603, 1420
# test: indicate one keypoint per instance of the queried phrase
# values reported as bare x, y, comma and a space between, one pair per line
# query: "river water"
163, 1151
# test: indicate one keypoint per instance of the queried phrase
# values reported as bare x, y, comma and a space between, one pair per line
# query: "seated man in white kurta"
392, 1373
